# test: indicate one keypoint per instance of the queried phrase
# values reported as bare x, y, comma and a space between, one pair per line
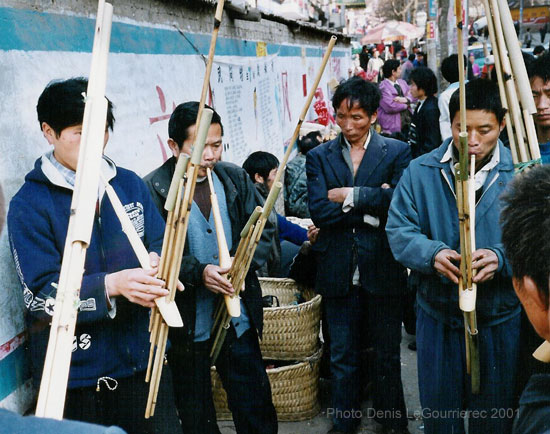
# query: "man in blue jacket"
111, 344
350, 185
423, 233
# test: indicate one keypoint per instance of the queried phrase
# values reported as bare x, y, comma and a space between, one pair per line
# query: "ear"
258, 178
373, 117
527, 290
49, 133
502, 124
174, 148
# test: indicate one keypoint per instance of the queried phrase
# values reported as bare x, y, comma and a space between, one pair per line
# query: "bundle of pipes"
250, 235
465, 203
53, 387
515, 91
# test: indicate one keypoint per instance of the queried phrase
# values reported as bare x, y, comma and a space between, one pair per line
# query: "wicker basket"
294, 389
291, 332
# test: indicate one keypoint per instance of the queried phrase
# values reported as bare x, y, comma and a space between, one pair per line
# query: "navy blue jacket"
37, 223
343, 233
423, 220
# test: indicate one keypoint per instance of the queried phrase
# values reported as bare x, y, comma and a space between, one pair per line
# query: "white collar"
367, 141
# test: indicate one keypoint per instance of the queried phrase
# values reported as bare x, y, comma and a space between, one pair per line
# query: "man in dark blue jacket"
423, 232
111, 344
350, 185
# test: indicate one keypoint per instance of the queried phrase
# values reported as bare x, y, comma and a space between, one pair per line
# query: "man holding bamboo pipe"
350, 185
423, 231
240, 362
106, 379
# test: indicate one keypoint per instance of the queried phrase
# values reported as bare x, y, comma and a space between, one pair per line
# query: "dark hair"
424, 78
390, 66
449, 68
538, 49
61, 104
185, 116
412, 56
260, 162
357, 91
308, 142
540, 67
481, 94
525, 222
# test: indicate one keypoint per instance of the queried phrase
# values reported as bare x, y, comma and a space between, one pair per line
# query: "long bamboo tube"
232, 302
501, 82
52, 393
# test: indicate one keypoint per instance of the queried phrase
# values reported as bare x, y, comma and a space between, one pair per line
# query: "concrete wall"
261, 74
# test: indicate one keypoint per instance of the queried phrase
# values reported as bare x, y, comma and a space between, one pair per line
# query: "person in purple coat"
394, 113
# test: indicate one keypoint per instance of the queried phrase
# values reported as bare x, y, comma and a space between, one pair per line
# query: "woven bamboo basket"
294, 389
291, 332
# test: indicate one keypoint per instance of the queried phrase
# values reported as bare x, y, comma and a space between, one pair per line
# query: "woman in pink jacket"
394, 114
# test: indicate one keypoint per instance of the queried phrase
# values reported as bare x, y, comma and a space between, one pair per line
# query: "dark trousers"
445, 388
125, 405
345, 318
243, 377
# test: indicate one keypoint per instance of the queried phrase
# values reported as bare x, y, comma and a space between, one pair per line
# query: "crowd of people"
383, 240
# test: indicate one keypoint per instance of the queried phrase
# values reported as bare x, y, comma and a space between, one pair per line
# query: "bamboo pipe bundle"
241, 265
53, 387
465, 171
232, 303
172, 260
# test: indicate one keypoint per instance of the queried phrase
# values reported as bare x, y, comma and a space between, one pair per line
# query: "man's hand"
444, 264
485, 261
154, 261
137, 285
312, 233
339, 194
213, 279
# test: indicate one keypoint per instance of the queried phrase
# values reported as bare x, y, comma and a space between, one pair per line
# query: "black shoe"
412, 346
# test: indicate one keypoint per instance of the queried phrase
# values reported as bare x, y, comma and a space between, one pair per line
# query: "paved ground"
321, 423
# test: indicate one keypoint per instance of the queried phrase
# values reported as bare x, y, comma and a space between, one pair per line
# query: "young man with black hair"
296, 179
240, 363
262, 167
449, 71
350, 184
111, 344
525, 225
423, 232
424, 135
539, 77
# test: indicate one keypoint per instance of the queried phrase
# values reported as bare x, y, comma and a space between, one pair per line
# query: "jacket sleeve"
290, 231
323, 212
38, 261
388, 104
377, 199
296, 191
408, 244
432, 134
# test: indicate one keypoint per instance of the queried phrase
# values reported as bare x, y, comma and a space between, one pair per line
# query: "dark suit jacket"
341, 233
426, 126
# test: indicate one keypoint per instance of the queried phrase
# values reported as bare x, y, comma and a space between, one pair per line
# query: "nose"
543, 102
473, 138
207, 154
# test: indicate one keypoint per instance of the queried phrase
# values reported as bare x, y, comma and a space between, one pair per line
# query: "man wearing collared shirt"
350, 185
423, 232
449, 70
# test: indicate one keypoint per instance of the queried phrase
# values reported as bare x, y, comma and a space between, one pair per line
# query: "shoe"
412, 346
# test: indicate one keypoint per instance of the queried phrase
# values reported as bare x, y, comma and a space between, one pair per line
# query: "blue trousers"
445, 388
243, 377
346, 317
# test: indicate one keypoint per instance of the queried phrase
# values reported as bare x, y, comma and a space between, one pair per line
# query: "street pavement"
321, 423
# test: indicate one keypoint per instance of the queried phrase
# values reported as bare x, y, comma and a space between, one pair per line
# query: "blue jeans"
445, 388
345, 318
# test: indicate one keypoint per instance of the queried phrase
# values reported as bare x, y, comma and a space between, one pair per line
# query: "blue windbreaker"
423, 219
107, 343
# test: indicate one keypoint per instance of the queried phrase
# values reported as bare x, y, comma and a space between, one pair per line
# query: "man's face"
483, 130
270, 178
535, 307
375, 53
416, 92
541, 95
67, 145
354, 122
212, 148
